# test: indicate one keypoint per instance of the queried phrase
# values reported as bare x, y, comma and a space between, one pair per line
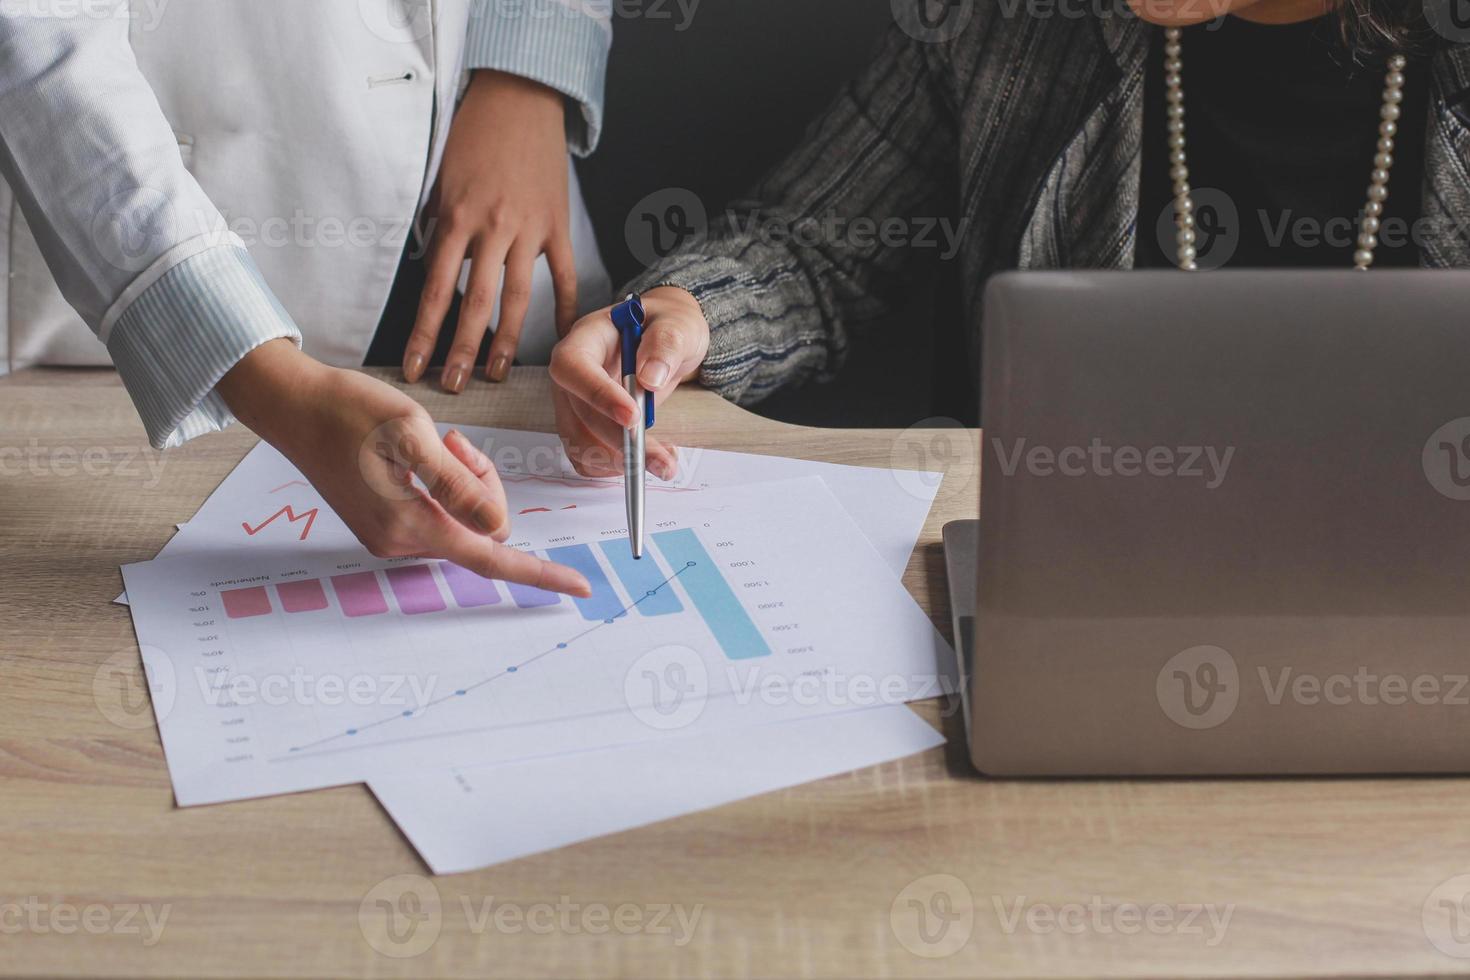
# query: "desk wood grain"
1060, 878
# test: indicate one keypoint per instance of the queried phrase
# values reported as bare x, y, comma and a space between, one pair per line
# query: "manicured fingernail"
413, 368
663, 470
480, 459
486, 518
499, 368
654, 374
454, 379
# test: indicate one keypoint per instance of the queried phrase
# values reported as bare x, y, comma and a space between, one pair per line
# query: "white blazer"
147, 132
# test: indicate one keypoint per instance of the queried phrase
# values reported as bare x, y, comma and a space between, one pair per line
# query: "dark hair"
1380, 27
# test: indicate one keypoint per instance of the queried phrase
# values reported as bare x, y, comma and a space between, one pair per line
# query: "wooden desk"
1318, 876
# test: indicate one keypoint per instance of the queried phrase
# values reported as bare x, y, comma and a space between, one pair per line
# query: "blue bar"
648, 585
604, 604
721, 609
530, 597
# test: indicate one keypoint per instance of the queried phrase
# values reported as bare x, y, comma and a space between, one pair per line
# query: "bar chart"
641, 587
323, 667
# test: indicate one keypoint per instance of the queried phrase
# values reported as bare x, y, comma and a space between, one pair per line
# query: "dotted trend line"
465, 691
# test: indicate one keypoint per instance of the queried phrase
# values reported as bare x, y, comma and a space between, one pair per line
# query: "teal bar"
648, 585
712, 595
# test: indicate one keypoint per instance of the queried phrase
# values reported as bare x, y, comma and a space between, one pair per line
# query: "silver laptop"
1225, 525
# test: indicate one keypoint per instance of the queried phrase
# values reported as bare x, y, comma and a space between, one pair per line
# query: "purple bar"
303, 596
530, 597
359, 594
415, 589
242, 603
470, 590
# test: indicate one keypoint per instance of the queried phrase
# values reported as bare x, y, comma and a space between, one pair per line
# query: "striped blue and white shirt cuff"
174, 342
563, 44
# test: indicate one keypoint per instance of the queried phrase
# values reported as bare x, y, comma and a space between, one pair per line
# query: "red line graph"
293, 483
291, 516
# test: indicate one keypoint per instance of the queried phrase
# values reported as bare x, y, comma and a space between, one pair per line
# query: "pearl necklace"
1388, 126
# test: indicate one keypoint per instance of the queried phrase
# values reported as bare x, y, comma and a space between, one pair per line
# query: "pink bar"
304, 596
359, 595
242, 603
415, 589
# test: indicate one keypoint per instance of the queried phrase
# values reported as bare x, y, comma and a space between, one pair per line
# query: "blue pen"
627, 316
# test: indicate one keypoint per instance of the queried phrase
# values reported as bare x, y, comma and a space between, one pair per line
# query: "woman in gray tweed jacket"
1051, 136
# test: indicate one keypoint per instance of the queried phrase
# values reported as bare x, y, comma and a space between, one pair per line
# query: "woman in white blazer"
217, 195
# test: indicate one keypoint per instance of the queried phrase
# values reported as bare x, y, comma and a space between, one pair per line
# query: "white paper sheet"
266, 503
797, 616
466, 819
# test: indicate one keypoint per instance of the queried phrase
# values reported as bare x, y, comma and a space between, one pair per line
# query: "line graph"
288, 512
514, 668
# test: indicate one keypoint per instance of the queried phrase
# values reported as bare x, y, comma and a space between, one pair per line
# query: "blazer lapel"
1446, 191
1086, 211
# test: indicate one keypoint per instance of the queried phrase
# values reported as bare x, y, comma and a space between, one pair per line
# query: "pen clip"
628, 318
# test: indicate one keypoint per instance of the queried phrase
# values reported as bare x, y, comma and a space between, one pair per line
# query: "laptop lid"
1225, 524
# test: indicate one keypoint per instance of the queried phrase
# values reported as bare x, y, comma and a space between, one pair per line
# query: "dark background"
712, 107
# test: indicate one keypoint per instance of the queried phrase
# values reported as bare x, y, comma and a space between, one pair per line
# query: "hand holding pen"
593, 407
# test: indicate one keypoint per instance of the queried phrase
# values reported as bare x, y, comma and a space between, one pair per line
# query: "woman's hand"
501, 201
360, 442
593, 408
